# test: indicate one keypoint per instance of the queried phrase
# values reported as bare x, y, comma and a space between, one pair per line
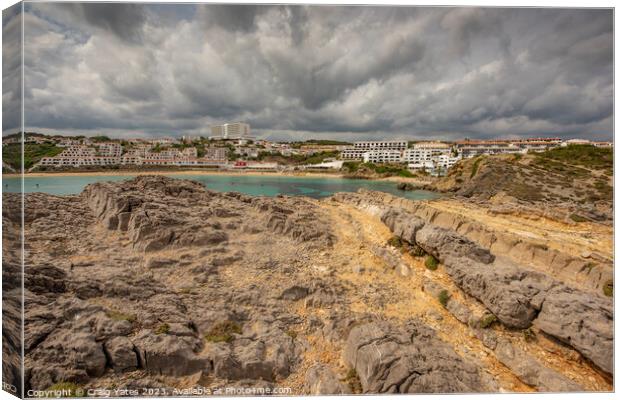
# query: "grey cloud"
11, 68
345, 72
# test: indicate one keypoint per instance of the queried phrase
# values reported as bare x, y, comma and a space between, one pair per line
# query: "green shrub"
474, 167
353, 379
223, 332
292, 333
395, 241
443, 297
578, 218
487, 320
431, 263
589, 266
69, 389
162, 329
608, 288
529, 335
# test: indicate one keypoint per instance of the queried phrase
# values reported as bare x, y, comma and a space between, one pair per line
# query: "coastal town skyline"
300, 72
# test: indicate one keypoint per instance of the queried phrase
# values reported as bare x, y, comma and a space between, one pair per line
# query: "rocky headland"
158, 283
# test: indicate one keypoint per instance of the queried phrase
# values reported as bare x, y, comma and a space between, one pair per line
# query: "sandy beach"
300, 174
177, 172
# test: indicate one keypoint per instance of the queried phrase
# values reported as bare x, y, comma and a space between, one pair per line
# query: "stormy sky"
296, 72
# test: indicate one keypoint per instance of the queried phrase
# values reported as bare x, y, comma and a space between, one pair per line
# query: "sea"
255, 185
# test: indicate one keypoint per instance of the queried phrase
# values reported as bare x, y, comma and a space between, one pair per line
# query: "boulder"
445, 243
121, 353
408, 359
66, 355
294, 293
322, 380
402, 223
264, 352
166, 354
513, 294
459, 310
582, 320
531, 371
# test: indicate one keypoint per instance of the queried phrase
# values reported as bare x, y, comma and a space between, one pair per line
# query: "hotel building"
359, 148
233, 130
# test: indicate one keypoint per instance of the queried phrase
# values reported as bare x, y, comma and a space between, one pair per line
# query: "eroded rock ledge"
517, 295
161, 283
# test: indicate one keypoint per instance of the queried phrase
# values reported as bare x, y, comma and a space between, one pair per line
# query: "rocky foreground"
157, 285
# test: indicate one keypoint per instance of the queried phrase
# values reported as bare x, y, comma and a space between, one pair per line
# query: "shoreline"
395, 179
185, 172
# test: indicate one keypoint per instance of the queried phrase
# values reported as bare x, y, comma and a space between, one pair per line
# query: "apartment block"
357, 151
473, 148
233, 130
216, 153
382, 156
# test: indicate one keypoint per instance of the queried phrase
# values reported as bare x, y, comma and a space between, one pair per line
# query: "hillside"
577, 178
33, 153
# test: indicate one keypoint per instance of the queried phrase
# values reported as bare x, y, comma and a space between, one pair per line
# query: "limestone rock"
514, 295
322, 380
581, 320
166, 354
443, 243
121, 354
531, 371
408, 359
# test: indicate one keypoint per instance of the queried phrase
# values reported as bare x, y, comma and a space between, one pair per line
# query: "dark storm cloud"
11, 68
297, 71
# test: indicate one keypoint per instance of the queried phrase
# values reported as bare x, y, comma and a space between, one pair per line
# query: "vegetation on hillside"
579, 175
100, 138
33, 153
355, 168
296, 159
587, 156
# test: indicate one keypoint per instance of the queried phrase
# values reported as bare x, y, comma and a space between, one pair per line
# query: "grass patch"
475, 166
162, 329
443, 297
583, 155
529, 335
69, 389
33, 153
608, 288
353, 380
487, 320
120, 316
577, 218
395, 241
431, 263
223, 332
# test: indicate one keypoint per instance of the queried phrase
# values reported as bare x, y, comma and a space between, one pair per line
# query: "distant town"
231, 146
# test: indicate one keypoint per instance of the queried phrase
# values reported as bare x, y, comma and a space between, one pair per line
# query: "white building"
109, 149
335, 164
216, 153
426, 151
359, 148
473, 148
233, 130
382, 156
575, 141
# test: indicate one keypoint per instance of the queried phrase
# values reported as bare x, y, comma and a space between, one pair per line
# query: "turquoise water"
249, 184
